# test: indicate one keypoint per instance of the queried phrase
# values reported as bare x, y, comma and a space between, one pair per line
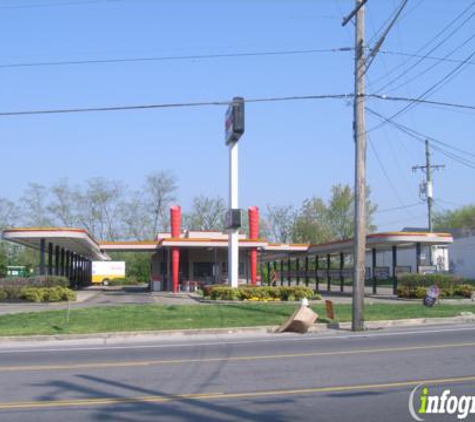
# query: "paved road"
337, 376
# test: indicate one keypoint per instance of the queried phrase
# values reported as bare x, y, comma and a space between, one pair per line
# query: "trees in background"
281, 221
206, 213
159, 192
317, 221
110, 211
462, 218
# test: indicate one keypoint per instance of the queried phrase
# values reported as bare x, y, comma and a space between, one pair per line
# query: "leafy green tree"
462, 218
137, 264
319, 222
312, 224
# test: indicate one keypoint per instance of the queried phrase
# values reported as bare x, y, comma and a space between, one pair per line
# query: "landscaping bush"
33, 294
47, 294
37, 281
464, 290
3, 294
129, 281
415, 285
11, 288
291, 293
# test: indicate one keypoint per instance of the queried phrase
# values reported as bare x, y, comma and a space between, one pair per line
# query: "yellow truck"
105, 271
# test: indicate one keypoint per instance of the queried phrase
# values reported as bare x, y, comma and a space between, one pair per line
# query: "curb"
105, 338
412, 322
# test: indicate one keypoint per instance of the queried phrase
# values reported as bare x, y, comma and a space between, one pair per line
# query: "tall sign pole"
234, 127
359, 131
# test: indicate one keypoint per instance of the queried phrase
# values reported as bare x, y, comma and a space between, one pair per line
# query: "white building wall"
462, 257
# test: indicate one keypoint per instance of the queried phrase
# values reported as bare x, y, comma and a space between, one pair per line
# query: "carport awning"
384, 241
210, 243
78, 241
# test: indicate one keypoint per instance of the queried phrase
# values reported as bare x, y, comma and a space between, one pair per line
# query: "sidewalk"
82, 296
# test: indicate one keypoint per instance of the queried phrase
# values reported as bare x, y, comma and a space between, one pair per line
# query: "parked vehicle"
105, 271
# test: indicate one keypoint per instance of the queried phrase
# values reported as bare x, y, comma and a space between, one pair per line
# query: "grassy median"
159, 317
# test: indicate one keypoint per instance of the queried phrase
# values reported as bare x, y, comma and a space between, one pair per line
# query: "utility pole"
359, 131
362, 65
427, 186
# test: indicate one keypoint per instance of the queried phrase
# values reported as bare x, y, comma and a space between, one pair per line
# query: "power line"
170, 105
383, 169
432, 66
402, 207
421, 138
428, 43
174, 58
435, 58
374, 51
421, 101
63, 3
227, 102
439, 84
404, 16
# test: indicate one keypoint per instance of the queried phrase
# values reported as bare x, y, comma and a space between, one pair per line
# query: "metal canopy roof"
78, 241
384, 241
210, 243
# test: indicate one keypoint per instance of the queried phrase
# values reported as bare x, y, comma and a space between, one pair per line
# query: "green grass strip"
160, 317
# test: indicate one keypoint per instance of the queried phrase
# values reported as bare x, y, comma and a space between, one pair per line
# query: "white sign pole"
233, 249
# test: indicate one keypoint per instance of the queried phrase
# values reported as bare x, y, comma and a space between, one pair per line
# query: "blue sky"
290, 151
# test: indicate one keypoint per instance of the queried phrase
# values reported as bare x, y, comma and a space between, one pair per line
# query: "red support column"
253, 213
175, 218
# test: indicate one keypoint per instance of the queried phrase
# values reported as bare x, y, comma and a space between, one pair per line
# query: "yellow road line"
134, 364
210, 396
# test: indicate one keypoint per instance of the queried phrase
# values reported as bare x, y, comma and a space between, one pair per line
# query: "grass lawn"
159, 317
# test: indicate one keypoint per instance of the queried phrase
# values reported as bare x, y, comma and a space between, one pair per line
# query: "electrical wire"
421, 98
383, 169
226, 102
421, 138
421, 101
435, 58
402, 207
174, 58
379, 43
428, 43
170, 105
63, 3
434, 65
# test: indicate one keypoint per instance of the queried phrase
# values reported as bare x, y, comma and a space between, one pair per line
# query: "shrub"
47, 294
69, 295
415, 285
223, 292
33, 294
3, 294
464, 290
40, 281
129, 281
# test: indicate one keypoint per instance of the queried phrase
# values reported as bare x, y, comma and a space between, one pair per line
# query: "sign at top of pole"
234, 121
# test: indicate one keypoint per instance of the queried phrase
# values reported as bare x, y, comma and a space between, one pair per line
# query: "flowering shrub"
259, 293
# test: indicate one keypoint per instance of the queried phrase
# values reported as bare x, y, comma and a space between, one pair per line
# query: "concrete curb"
106, 338
412, 322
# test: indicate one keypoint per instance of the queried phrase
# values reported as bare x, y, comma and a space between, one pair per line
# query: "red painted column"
253, 213
175, 219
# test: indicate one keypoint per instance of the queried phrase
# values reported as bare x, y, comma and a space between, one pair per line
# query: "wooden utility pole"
428, 188
360, 170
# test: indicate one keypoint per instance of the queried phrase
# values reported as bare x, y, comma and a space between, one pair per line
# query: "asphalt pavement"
326, 377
